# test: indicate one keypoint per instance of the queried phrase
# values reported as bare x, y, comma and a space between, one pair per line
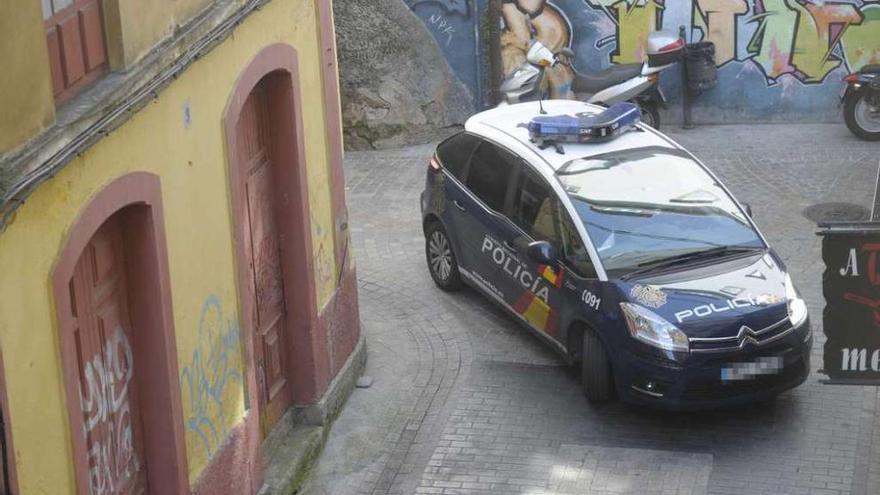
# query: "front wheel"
596, 377
861, 113
650, 115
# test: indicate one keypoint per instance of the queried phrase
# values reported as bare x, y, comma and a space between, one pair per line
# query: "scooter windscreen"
539, 54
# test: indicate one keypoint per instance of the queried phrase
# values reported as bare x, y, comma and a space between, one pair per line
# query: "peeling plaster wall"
179, 137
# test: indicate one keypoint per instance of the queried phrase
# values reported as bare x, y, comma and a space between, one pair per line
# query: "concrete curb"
295, 443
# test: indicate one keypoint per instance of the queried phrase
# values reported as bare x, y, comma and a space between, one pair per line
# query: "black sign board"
851, 284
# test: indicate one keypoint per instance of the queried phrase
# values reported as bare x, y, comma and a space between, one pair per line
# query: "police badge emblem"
648, 295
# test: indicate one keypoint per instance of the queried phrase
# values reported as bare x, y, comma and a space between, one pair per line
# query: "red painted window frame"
63, 89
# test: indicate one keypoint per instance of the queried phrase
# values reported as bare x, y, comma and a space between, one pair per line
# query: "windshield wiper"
689, 257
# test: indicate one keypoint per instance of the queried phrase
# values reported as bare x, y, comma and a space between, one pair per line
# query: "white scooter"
622, 82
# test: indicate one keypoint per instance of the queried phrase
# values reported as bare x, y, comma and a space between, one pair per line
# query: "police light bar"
584, 127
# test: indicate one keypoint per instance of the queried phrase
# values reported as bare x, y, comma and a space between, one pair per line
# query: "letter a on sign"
852, 265
851, 351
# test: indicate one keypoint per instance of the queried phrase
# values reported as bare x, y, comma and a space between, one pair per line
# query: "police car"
629, 257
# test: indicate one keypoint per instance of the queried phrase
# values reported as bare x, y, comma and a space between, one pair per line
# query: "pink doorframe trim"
333, 128
7, 431
138, 196
278, 65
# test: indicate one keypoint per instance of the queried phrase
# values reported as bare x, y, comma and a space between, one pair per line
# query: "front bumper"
696, 383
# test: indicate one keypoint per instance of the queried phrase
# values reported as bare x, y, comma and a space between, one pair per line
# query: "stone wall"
397, 87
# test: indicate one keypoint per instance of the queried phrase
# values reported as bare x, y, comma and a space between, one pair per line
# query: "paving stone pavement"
466, 401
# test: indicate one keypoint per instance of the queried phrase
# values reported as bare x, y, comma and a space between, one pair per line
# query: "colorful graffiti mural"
771, 54
212, 382
803, 38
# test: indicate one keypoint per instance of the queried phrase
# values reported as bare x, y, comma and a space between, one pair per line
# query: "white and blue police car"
628, 256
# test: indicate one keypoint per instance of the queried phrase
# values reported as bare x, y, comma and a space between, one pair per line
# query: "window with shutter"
77, 49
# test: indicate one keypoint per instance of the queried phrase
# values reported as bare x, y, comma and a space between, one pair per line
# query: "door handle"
458, 205
510, 246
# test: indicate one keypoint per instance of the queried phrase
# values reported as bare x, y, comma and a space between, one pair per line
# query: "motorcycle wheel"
650, 115
861, 112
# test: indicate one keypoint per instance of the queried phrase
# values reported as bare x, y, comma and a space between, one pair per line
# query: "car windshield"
649, 205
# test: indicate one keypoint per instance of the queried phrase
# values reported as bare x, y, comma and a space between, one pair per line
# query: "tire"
596, 377
442, 263
852, 105
650, 115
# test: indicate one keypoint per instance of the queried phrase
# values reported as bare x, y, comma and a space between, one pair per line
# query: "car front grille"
745, 336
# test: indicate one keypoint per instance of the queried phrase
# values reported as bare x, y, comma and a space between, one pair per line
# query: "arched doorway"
117, 344
269, 192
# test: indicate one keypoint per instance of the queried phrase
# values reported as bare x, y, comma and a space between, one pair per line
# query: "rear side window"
489, 174
455, 152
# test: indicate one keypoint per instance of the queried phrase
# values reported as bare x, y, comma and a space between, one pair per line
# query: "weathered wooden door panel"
264, 258
108, 389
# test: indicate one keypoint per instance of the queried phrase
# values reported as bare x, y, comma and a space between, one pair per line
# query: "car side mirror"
748, 209
542, 252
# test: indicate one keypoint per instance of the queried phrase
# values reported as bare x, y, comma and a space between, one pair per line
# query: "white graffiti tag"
113, 462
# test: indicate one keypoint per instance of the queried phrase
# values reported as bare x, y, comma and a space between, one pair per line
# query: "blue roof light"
556, 130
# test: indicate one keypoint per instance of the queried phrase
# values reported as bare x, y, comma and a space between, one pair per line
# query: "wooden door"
264, 258
107, 371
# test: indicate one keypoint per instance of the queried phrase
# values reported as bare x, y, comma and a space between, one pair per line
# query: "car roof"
506, 126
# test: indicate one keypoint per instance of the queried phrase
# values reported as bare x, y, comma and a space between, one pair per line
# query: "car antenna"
541, 105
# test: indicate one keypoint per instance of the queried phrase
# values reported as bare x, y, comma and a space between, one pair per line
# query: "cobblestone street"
464, 400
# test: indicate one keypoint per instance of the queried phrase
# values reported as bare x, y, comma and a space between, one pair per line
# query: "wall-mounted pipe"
18, 192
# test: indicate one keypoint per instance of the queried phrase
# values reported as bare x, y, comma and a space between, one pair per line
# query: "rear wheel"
650, 115
862, 114
596, 377
441, 259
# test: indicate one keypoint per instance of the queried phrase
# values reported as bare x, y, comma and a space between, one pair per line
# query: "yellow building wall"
193, 168
144, 24
26, 102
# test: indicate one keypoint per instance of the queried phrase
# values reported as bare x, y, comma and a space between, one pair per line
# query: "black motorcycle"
861, 102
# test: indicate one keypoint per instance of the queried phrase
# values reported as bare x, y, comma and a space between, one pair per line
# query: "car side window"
489, 174
573, 252
533, 207
455, 152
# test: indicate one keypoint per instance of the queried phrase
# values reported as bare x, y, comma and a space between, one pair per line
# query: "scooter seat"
594, 82
870, 69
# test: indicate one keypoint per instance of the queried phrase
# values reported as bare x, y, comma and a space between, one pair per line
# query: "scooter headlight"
797, 307
652, 329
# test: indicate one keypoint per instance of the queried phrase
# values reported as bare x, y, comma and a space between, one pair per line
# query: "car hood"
716, 300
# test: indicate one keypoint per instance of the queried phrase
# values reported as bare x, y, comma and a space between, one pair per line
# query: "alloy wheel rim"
867, 116
440, 255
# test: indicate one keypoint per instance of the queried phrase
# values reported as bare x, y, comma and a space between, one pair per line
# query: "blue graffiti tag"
451, 6
213, 367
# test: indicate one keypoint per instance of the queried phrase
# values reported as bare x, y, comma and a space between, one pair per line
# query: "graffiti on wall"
213, 378
527, 19
452, 6
805, 39
104, 397
324, 259
802, 39
633, 20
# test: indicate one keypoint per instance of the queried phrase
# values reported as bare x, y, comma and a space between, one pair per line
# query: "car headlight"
650, 328
797, 307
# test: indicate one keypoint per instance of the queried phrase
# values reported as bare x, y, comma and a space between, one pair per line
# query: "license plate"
750, 370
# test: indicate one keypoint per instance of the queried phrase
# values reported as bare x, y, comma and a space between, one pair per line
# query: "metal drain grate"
836, 212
